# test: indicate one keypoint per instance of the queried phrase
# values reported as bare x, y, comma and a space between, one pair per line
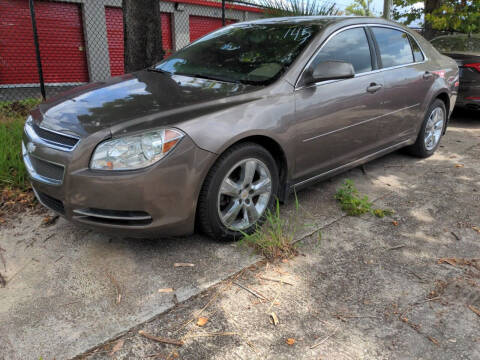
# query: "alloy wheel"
244, 194
434, 128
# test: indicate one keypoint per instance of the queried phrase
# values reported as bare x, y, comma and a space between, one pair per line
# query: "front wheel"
431, 131
238, 191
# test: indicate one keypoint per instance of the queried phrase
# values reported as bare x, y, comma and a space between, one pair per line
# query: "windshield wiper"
154, 69
209, 77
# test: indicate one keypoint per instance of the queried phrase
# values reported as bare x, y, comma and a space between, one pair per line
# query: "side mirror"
328, 70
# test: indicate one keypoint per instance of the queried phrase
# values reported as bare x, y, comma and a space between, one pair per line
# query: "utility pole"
37, 49
387, 9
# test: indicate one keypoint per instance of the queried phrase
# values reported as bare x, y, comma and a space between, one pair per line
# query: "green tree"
409, 11
359, 8
277, 8
456, 15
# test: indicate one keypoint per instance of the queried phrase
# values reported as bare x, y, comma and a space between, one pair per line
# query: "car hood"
147, 98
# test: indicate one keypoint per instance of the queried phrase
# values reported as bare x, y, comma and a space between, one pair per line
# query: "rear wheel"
431, 131
237, 192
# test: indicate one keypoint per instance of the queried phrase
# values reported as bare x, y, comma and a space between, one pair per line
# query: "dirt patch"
14, 202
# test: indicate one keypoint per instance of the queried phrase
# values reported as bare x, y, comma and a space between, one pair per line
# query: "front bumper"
156, 201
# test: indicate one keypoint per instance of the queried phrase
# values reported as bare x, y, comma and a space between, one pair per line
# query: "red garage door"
114, 19
202, 25
62, 45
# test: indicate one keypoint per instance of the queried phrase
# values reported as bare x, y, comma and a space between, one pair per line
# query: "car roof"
321, 20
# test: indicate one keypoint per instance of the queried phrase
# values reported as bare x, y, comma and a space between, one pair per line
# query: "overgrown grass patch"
275, 238
12, 118
354, 204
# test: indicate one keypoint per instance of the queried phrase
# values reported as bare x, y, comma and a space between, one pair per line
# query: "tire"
422, 148
226, 187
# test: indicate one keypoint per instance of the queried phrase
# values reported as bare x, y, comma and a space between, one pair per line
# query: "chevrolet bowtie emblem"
31, 147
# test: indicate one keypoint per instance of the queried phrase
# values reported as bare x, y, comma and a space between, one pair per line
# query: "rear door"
337, 120
407, 81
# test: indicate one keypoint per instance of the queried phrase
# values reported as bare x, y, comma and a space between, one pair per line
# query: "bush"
12, 118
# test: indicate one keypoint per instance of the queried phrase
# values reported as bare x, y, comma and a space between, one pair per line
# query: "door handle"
427, 75
373, 88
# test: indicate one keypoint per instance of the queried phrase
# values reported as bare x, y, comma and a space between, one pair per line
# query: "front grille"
47, 169
54, 138
50, 202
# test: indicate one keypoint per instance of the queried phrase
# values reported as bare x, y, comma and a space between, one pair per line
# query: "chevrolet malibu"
210, 137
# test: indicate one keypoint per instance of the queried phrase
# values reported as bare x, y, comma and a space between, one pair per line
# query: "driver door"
336, 120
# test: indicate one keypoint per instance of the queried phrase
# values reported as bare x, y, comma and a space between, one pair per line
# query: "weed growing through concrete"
275, 239
355, 205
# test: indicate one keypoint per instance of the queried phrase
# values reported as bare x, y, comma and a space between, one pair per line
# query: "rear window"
459, 44
417, 52
394, 47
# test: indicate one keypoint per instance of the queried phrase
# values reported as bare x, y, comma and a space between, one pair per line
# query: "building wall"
96, 46
63, 57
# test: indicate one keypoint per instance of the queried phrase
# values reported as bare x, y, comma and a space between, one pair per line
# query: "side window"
417, 52
394, 46
350, 46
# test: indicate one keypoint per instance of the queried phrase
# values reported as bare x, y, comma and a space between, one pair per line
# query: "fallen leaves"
253, 292
474, 309
118, 345
459, 165
165, 290
476, 228
460, 261
275, 280
433, 340
395, 223
225, 333
274, 318
13, 201
183, 265
290, 341
202, 320
451, 261
160, 339
49, 220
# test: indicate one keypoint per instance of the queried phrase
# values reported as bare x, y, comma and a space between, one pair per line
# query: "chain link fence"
49, 46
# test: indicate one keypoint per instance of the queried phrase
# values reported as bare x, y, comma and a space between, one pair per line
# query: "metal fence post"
223, 12
37, 49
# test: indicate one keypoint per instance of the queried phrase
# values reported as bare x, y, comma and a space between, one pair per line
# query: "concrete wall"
95, 30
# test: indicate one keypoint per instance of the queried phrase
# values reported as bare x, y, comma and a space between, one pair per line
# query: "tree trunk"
387, 9
430, 5
142, 34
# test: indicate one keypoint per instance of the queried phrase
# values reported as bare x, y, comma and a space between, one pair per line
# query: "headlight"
134, 152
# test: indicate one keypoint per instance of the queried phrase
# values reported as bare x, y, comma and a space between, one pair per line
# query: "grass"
275, 239
354, 204
12, 118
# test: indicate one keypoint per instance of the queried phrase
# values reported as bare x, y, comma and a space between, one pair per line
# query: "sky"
377, 6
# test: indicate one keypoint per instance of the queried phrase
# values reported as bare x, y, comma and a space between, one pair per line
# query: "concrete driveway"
70, 289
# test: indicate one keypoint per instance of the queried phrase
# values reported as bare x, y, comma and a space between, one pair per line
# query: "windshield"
248, 53
460, 44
